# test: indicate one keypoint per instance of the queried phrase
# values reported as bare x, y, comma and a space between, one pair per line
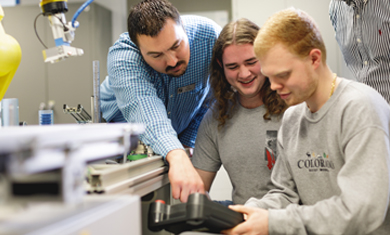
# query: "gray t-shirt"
246, 146
335, 163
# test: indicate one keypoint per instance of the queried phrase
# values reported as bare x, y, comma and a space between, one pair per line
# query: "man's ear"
219, 62
315, 57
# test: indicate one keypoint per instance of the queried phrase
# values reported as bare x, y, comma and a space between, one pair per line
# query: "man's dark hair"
149, 16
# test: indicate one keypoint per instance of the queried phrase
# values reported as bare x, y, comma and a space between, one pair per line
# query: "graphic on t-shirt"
270, 148
314, 162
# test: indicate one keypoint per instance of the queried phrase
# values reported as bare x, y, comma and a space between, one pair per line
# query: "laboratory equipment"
63, 32
95, 99
63, 167
9, 3
10, 57
142, 151
78, 113
100, 215
9, 110
199, 213
48, 162
46, 117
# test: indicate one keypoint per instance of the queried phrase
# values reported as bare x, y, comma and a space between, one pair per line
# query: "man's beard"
178, 73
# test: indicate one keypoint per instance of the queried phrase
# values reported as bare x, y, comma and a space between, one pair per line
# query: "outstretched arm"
184, 179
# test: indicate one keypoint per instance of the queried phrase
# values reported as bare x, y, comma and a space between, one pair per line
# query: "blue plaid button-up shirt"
171, 108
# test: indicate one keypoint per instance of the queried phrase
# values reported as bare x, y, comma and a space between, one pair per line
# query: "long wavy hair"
224, 99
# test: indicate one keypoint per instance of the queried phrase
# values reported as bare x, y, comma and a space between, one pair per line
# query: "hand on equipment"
182, 175
256, 221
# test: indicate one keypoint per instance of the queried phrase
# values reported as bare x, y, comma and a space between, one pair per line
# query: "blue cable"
78, 13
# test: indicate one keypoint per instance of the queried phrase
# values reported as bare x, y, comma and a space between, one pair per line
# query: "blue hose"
78, 13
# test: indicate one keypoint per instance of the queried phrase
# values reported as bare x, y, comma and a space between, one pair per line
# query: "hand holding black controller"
197, 214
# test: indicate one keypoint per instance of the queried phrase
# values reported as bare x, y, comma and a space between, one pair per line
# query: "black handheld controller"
198, 214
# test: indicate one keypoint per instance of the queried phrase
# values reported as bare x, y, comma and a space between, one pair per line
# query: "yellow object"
44, 2
10, 56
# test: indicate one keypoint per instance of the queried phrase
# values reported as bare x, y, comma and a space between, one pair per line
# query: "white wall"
220, 17
260, 10
119, 11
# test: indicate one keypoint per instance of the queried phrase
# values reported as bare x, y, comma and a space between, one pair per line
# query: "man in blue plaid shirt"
158, 75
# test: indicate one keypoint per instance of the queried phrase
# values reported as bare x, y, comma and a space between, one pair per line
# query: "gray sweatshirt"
332, 175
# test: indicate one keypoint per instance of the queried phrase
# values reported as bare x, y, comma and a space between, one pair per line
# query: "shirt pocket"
377, 38
191, 101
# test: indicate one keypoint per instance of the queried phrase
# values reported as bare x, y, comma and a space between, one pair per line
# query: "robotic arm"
63, 32
10, 56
